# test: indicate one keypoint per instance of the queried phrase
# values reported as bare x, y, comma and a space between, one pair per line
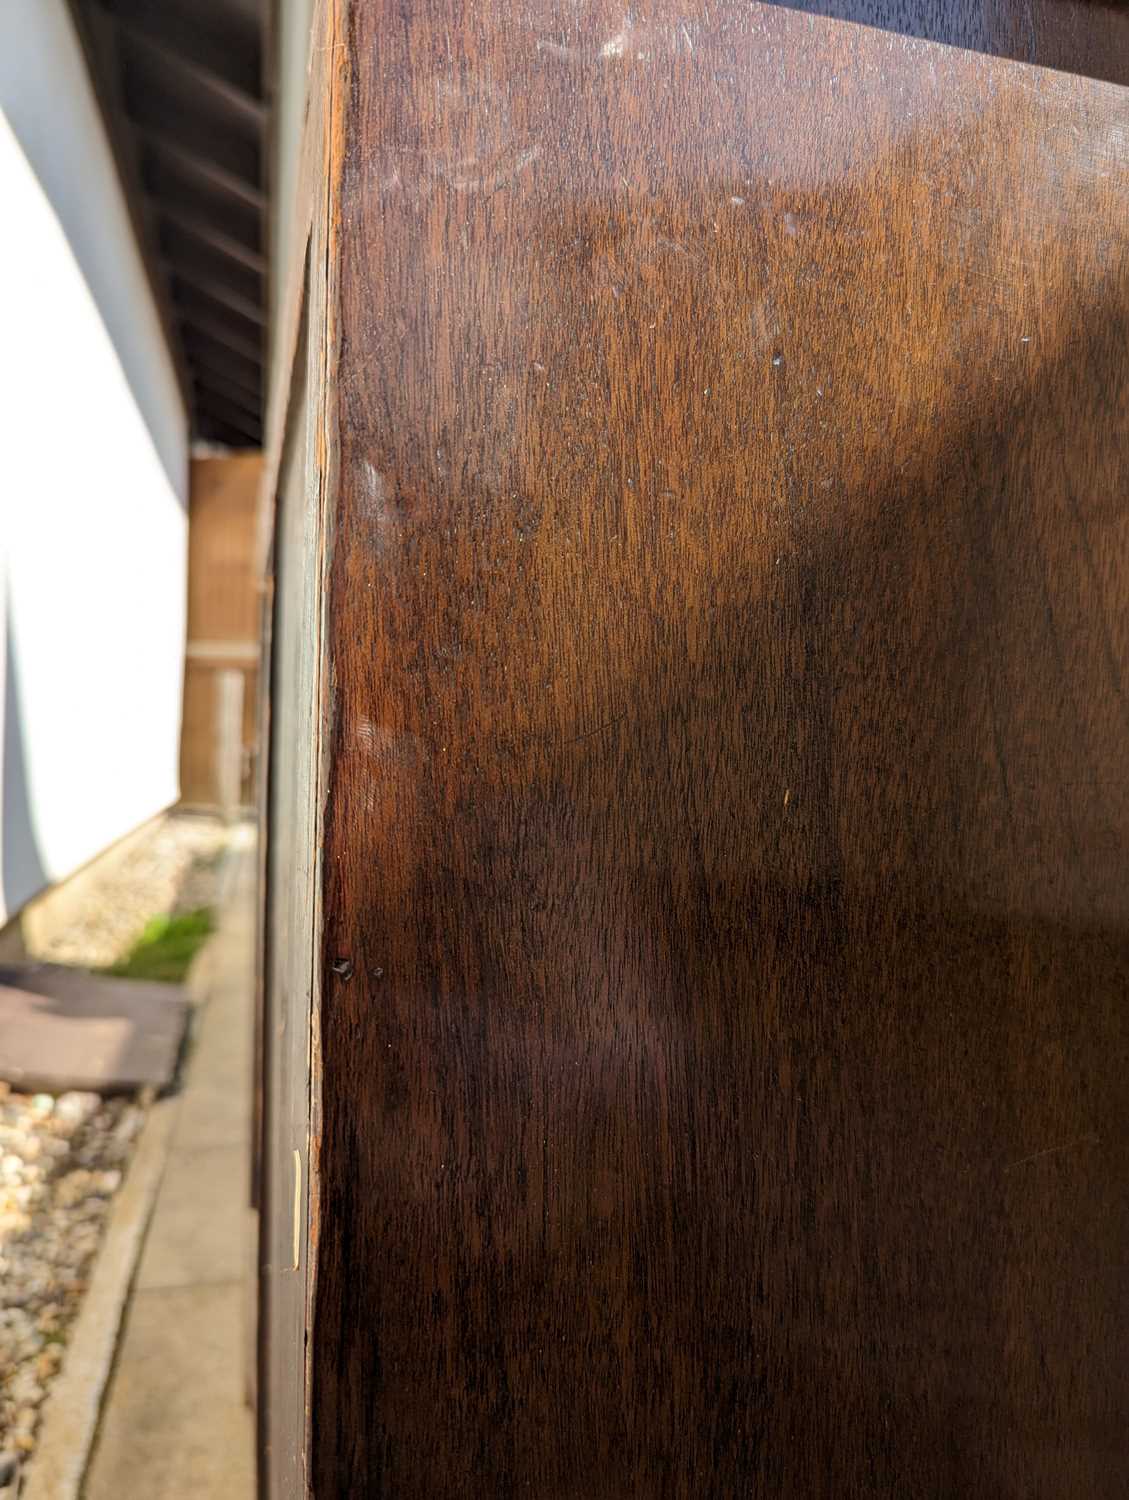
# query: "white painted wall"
93, 480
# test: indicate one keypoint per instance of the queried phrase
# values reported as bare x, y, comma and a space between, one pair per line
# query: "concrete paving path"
176, 1424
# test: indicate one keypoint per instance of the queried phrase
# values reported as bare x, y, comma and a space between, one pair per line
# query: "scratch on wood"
599, 729
1082, 1140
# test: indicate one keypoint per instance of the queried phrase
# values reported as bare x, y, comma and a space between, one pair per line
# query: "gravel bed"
62, 1158
61, 1161
173, 869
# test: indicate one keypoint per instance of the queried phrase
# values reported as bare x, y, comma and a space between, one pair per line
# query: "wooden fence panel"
223, 627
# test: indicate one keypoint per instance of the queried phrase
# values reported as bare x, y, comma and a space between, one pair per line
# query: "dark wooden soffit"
1090, 37
182, 85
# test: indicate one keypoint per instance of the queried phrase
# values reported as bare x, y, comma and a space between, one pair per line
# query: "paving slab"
198, 1227
217, 1106
177, 1426
63, 1029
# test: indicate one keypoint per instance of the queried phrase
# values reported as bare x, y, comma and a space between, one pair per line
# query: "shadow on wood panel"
723, 1028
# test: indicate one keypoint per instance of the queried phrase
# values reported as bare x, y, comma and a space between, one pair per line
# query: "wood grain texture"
223, 597
223, 613
200, 778
723, 1032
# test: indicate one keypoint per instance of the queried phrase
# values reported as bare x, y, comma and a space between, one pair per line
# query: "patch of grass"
166, 948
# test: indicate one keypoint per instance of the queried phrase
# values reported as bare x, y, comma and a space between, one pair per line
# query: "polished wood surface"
722, 1028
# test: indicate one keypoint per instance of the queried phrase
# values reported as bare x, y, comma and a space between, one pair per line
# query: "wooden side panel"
289, 984
223, 599
199, 777
299, 480
724, 959
223, 616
